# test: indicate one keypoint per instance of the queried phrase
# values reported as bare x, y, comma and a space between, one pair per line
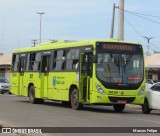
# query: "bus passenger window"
75, 64
46, 69
54, 64
15, 63
72, 59
59, 61
32, 66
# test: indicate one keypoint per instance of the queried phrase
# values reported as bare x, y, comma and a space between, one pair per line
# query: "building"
152, 64
5, 65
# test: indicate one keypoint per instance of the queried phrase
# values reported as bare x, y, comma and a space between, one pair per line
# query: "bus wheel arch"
31, 95
74, 98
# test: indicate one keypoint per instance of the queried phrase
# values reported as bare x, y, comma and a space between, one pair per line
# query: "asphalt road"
18, 112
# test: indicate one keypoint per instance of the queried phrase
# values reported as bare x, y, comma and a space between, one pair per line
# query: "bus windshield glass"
119, 64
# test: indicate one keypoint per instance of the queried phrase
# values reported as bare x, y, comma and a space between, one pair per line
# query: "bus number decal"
31, 76
113, 92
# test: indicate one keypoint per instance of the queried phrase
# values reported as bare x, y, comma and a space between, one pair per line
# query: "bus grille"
115, 99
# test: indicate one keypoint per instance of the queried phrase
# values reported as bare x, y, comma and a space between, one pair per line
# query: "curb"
132, 106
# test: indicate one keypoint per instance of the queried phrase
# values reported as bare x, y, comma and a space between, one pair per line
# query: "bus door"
85, 75
45, 74
21, 70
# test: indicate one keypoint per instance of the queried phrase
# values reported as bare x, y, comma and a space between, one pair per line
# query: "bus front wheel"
75, 104
119, 107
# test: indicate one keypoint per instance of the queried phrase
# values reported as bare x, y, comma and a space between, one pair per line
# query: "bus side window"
54, 60
59, 61
32, 65
33, 61
37, 62
64, 60
22, 64
75, 64
45, 64
72, 59
15, 63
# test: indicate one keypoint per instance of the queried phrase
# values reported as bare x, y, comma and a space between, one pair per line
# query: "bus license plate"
121, 101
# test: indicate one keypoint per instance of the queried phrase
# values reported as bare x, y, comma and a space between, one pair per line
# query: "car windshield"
120, 68
3, 80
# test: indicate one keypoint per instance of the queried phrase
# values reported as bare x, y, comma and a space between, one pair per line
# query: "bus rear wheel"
32, 98
75, 104
119, 107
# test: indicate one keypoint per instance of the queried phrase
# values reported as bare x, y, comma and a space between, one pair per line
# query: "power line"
136, 29
143, 14
136, 14
133, 27
153, 49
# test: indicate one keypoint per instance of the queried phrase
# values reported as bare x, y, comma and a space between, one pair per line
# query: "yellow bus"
95, 72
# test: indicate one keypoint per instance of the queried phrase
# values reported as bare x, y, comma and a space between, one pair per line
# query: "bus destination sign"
120, 47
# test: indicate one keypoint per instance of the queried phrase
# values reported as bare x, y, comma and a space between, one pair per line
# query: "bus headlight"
142, 91
100, 90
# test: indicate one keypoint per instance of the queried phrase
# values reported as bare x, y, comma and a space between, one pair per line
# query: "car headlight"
100, 90
142, 91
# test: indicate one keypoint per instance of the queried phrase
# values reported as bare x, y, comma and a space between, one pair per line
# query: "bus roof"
66, 44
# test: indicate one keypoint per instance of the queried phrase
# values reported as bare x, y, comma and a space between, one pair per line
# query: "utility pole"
40, 13
34, 41
121, 20
148, 40
2, 36
112, 25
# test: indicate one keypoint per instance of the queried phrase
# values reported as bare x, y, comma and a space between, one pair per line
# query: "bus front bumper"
115, 99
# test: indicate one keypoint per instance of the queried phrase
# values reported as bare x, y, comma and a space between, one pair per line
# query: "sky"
76, 20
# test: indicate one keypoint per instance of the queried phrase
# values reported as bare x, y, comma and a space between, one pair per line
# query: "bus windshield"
119, 67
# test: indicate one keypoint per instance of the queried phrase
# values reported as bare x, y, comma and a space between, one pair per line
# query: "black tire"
145, 107
32, 98
75, 104
119, 107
